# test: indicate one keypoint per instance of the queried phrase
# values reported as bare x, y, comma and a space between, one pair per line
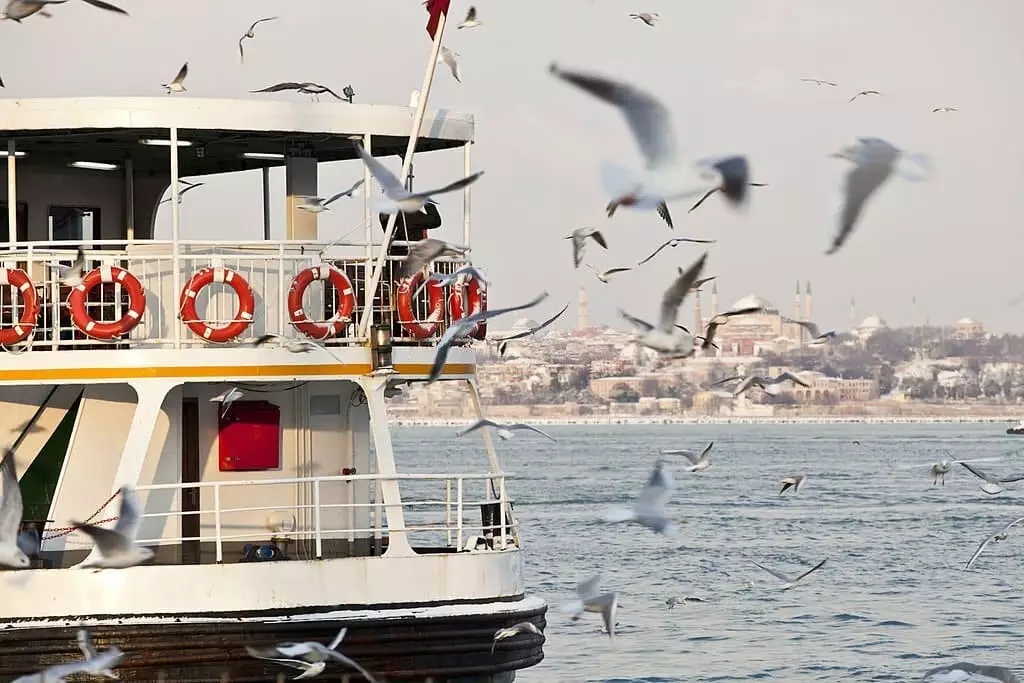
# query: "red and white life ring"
97, 330
243, 316
407, 316
466, 299
346, 302
27, 323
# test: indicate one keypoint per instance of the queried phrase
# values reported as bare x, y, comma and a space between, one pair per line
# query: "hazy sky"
730, 72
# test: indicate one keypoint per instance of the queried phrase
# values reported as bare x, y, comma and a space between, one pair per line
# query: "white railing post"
458, 512
175, 235
216, 522
317, 535
448, 509
501, 506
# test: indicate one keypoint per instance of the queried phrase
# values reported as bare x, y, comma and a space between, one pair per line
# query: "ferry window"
22, 219
73, 223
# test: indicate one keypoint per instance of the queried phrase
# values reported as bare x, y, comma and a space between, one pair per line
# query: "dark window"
74, 223
22, 219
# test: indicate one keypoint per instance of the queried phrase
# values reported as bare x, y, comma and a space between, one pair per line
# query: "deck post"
151, 395
12, 194
492, 455
467, 168
129, 199
175, 233
266, 203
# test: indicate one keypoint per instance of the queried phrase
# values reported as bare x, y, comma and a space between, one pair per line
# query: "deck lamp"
380, 344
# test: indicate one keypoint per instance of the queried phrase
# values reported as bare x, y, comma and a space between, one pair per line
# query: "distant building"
767, 329
968, 328
869, 326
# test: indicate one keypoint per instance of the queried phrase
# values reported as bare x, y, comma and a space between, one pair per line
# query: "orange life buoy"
27, 323
466, 299
246, 304
97, 330
346, 302
407, 316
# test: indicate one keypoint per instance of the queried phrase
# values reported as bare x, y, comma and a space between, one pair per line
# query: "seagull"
763, 381
819, 82
647, 17
874, 161
319, 204
117, 548
423, 252
703, 281
698, 463
665, 177
12, 555
674, 242
400, 199
818, 337
649, 508
718, 189
503, 341
293, 345
965, 672
17, 10
865, 92
664, 213
992, 484
100, 665
464, 326
1000, 535
603, 275
940, 469
448, 57
315, 90
71, 276
88, 649
178, 84
590, 599
181, 193
227, 398
443, 280
251, 33
718, 321
789, 581
579, 242
938, 109
310, 657
504, 431
673, 601
470, 21
796, 483
513, 631
664, 338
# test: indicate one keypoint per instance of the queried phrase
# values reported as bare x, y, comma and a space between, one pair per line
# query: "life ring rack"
91, 327
243, 316
26, 325
346, 303
469, 298
407, 287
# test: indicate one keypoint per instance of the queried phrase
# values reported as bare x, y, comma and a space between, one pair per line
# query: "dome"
752, 301
966, 321
872, 322
524, 324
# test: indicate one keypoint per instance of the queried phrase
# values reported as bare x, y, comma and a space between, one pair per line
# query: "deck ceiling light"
161, 142
17, 154
262, 155
94, 165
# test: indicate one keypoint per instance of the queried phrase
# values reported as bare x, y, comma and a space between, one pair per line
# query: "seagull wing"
338, 657
131, 514
727, 379
746, 384
451, 187
599, 238
811, 328
975, 471
1010, 478
422, 253
620, 269
11, 507
85, 644
777, 575
107, 540
701, 200
531, 428
386, 178
1012, 524
656, 493
689, 455
477, 425
345, 193
589, 588
792, 378
106, 5
735, 173
636, 322
676, 293
812, 569
861, 182
980, 549
707, 449
182, 72
665, 215
670, 243
278, 87
527, 333
648, 119
260, 21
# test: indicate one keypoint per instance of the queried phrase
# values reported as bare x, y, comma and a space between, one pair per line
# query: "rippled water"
891, 603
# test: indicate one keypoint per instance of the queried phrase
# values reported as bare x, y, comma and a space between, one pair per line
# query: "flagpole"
417, 122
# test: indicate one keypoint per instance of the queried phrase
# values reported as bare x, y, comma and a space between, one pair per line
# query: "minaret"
714, 298
853, 314
797, 310
698, 319
581, 311
808, 303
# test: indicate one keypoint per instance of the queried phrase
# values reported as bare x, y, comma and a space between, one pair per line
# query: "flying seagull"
604, 275
88, 649
579, 242
310, 657
17, 10
673, 601
666, 177
448, 57
314, 90
349, 93
295, 345
665, 337
513, 631
665, 215
965, 672
116, 547
819, 82
762, 381
865, 92
101, 664
649, 508
940, 469
464, 326
647, 17
226, 398
938, 109
817, 336
590, 599
674, 242
319, 204
787, 580
12, 555
470, 21
716, 189
397, 197
178, 84
504, 431
719, 320
503, 341
698, 462
71, 276
796, 483
874, 161
251, 33
443, 280
992, 485
1000, 535
423, 252
181, 193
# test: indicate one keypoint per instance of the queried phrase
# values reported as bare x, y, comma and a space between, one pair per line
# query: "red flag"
436, 8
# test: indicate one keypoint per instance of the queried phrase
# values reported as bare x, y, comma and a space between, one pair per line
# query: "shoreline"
765, 420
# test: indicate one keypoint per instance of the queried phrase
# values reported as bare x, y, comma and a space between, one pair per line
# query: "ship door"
190, 550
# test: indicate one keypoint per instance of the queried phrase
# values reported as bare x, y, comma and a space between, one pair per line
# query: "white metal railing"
268, 266
422, 524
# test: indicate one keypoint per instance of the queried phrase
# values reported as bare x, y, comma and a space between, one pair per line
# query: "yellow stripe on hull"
225, 372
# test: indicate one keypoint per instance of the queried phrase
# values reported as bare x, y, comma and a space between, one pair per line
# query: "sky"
729, 71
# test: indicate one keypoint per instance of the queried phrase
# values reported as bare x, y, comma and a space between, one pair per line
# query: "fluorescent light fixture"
17, 154
262, 155
94, 165
161, 142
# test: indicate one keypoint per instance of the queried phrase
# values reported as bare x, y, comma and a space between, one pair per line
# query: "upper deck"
92, 173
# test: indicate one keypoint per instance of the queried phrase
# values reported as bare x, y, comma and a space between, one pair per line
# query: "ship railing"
269, 267
435, 513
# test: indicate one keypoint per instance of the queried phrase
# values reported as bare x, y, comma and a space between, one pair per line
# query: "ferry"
281, 516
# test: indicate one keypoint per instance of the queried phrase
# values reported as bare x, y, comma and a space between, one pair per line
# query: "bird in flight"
251, 33
865, 92
448, 58
674, 242
874, 162
647, 17
178, 84
944, 109
470, 21
718, 189
319, 204
16, 10
817, 81
1000, 535
314, 90
789, 581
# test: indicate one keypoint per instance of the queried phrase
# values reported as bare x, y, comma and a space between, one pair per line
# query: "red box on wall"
249, 437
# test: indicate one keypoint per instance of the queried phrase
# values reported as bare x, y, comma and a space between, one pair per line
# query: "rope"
64, 531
